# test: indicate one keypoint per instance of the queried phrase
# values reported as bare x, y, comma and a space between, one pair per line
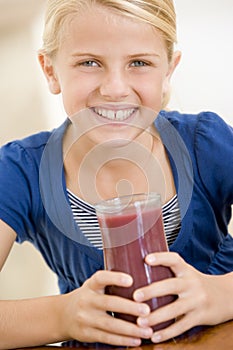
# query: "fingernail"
144, 310
156, 338
142, 322
136, 342
146, 333
151, 259
138, 296
127, 280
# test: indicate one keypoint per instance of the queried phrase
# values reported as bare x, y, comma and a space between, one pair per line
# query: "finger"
168, 259
101, 336
121, 305
171, 286
112, 325
118, 326
166, 313
103, 278
180, 326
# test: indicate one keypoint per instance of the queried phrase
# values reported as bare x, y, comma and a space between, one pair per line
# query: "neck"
115, 156
108, 170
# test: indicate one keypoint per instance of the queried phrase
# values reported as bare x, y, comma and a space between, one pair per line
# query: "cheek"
152, 94
74, 96
80, 87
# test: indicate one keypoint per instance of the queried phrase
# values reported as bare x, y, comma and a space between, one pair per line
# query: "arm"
202, 299
16, 328
7, 238
79, 315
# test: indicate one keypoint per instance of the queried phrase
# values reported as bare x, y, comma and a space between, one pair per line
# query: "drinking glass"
131, 228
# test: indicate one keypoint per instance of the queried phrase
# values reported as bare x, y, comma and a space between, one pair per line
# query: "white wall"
203, 81
22, 112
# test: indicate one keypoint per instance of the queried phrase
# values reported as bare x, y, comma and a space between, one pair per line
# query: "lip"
115, 114
115, 106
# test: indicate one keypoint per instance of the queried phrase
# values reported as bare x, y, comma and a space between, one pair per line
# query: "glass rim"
126, 201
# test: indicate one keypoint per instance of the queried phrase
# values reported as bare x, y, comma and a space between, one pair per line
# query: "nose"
115, 85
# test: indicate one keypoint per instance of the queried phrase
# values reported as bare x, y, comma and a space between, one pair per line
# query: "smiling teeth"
114, 115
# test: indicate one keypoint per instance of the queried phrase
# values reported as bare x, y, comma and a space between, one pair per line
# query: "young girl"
112, 62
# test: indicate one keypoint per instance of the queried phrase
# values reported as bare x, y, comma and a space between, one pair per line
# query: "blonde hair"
158, 13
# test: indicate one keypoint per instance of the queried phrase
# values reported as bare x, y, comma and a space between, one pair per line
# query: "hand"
86, 317
202, 299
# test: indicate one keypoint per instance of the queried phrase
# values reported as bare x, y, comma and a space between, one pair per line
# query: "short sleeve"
16, 192
214, 154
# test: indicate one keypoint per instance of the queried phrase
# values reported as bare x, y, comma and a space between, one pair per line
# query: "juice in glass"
132, 227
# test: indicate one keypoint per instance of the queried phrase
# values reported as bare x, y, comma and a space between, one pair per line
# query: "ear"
172, 66
49, 72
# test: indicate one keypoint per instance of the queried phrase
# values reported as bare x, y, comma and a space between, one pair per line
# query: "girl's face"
109, 67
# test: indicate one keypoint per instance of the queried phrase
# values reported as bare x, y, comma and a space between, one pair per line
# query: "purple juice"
129, 257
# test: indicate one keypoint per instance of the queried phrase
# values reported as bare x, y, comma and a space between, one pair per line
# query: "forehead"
101, 25
108, 14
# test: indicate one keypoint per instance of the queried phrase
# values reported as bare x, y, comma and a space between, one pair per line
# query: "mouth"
114, 115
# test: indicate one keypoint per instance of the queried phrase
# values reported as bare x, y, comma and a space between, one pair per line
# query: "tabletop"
207, 338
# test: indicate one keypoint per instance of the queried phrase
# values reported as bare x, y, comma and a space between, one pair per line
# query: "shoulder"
193, 121
20, 200
214, 154
29, 149
210, 141
19, 165
20, 159
24, 150
196, 128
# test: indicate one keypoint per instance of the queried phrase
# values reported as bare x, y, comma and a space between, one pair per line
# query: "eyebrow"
142, 54
145, 54
81, 54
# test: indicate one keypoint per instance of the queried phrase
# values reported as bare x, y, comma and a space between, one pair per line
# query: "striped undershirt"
85, 216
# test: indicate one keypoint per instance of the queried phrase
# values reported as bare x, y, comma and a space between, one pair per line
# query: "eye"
139, 63
89, 63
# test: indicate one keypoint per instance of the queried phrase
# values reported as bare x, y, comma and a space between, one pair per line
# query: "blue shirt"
33, 197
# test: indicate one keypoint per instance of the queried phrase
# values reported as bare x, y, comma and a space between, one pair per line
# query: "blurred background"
203, 81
